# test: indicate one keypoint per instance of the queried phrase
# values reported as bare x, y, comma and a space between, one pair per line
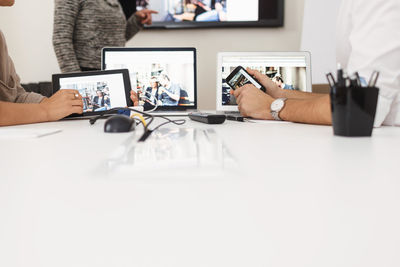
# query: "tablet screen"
99, 92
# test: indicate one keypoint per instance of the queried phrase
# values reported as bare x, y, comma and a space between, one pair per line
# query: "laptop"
165, 79
100, 90
290, 70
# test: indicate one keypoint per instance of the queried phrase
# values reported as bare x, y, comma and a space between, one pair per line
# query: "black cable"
147, 131
93, 120
176, 122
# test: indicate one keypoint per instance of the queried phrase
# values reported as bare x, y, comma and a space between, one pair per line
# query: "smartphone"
240, 77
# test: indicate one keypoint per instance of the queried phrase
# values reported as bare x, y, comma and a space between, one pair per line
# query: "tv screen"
214, 13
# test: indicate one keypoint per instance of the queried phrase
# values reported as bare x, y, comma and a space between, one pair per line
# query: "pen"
346, 80
358, 78
331, 80
354, 81
340, 78
374, 79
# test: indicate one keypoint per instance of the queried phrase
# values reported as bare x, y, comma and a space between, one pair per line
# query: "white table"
297, 196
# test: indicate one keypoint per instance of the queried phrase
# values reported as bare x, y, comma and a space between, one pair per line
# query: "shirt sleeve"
26, 97
10, 83
374, 41
133, 26
65, 14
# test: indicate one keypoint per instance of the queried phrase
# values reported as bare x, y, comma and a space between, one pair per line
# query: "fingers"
145, 15
77, 102
255, 73
239, 99
242, 89
265, 80
134, 98
69, 91
67, 94
148, 20
77, 110
149, 11
140, 14
238, 91
242, 111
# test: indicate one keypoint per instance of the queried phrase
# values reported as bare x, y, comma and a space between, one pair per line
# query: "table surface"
262, 194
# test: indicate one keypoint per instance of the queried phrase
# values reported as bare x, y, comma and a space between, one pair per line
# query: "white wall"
28, 29
319, 36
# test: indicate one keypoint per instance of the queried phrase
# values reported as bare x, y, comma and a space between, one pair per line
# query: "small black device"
208, 118
119, 124
240, 77
232, 117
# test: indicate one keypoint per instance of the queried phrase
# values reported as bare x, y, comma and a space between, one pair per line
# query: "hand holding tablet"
62, 104
96, 91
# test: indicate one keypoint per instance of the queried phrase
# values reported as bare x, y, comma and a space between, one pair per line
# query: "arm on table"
300, 107
60, 105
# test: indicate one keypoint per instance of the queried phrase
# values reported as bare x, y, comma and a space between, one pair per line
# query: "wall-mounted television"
175, 14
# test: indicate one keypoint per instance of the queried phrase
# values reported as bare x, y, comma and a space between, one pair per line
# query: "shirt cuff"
382, 110
32, 98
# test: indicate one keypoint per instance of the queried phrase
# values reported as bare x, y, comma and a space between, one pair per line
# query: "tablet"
100, 90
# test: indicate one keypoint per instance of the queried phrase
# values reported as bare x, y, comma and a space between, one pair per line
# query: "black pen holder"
353, 110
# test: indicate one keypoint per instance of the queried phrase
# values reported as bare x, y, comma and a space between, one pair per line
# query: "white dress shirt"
368, 39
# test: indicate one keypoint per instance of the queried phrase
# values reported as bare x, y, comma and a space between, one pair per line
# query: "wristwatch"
276, 107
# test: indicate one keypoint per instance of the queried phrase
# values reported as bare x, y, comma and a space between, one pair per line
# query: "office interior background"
28, 28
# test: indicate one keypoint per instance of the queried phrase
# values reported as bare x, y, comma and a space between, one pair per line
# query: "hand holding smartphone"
240, 77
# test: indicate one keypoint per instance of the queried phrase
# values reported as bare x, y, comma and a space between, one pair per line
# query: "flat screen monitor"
214, 13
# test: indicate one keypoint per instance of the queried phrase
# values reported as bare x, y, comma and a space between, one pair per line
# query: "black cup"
353, 110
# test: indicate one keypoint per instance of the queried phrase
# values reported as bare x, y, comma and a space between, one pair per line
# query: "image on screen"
202, 10
241, 79
160, 78
287, 72
212, 12
99, 93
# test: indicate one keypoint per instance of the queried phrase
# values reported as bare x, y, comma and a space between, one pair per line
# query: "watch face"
277, 105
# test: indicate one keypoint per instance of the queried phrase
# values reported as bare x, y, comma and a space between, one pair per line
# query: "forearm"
314, 110
15, 113
299, 94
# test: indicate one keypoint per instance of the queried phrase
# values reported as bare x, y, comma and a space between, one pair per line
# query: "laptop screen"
165, 77
288, 70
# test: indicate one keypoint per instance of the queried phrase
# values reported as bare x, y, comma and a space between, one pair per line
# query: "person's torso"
8, 77
368, 39
100, 23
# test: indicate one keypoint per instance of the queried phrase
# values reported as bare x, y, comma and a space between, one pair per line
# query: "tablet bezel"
127, 86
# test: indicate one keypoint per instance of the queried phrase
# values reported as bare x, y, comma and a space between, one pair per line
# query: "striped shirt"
83, 27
